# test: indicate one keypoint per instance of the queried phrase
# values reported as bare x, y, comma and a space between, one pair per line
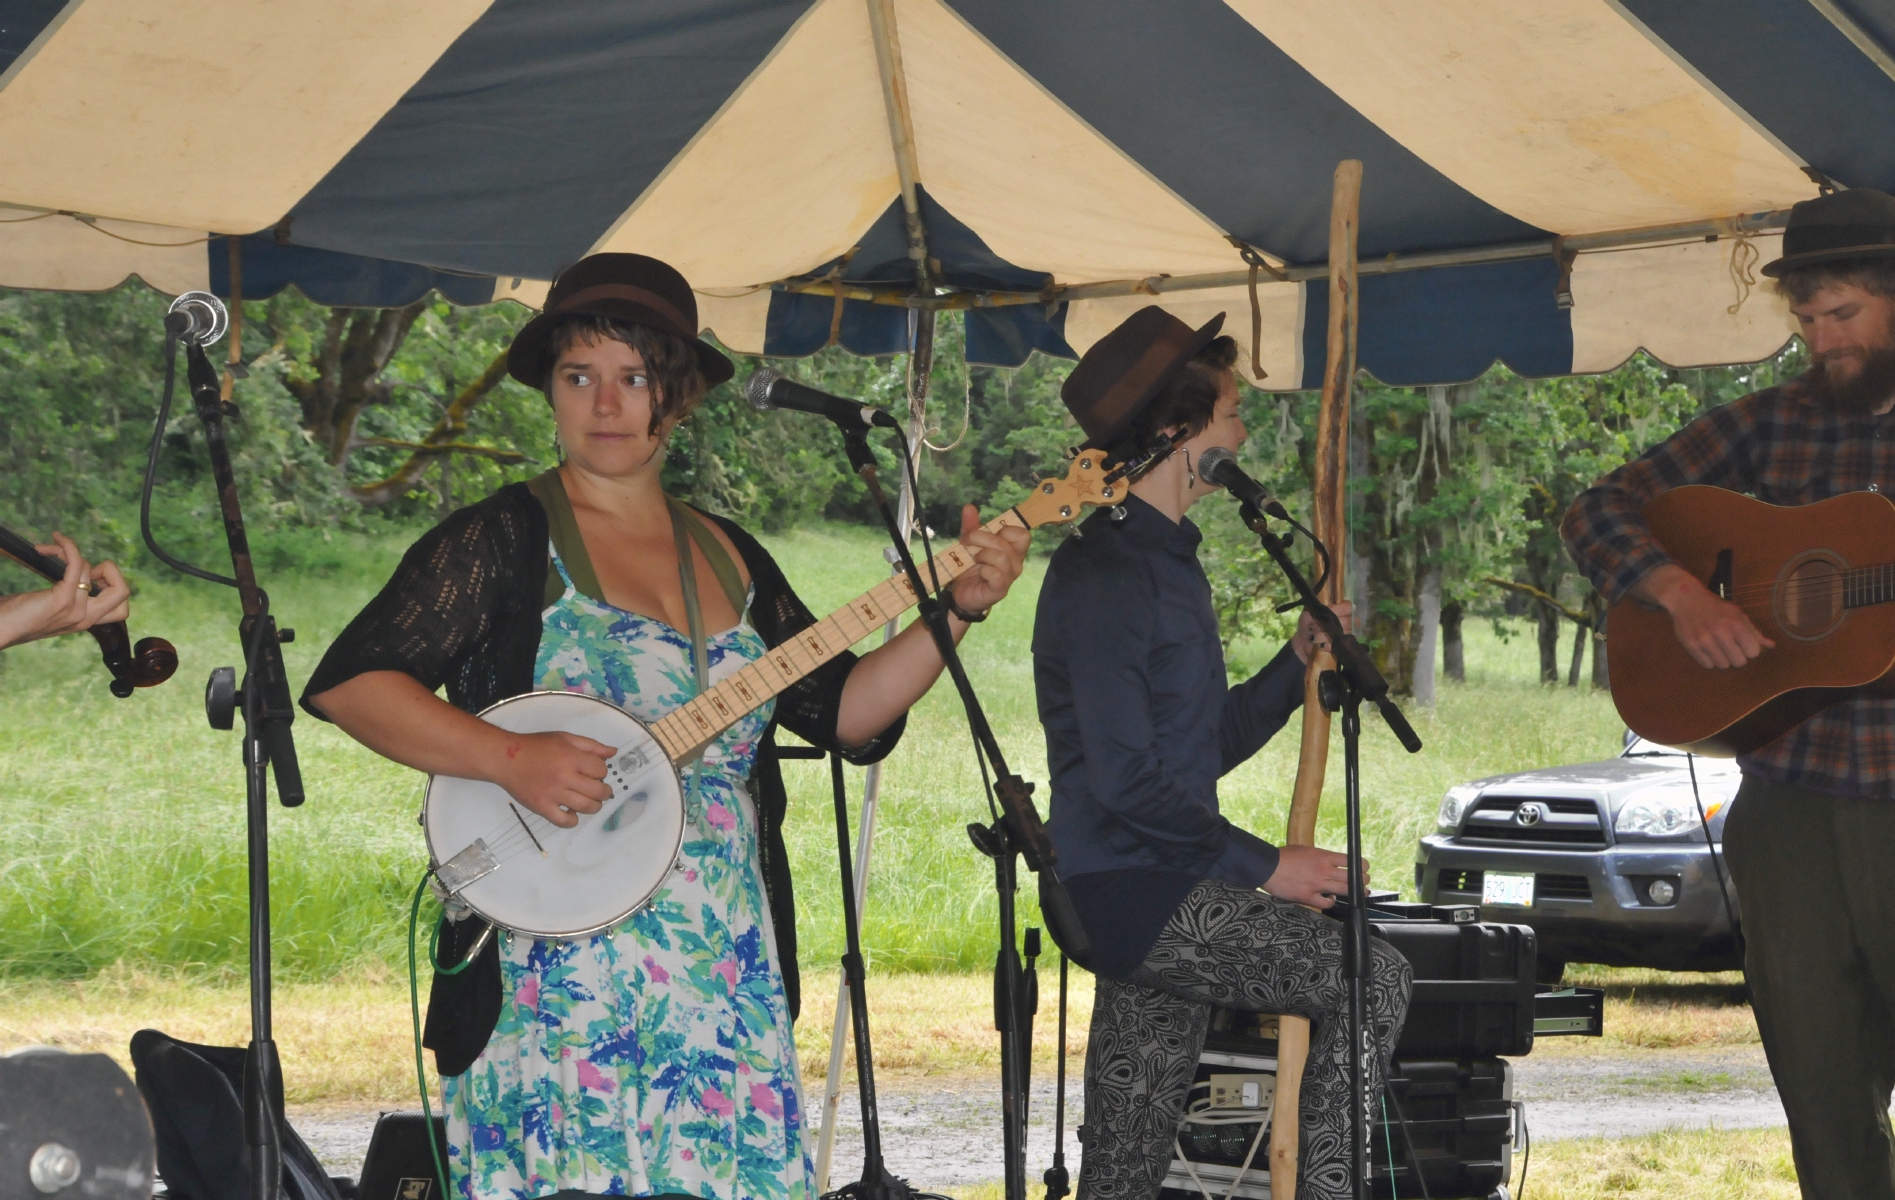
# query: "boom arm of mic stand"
1352, 658
1014, 793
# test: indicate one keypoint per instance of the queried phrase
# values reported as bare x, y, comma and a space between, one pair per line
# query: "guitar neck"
1863, 586
697, 721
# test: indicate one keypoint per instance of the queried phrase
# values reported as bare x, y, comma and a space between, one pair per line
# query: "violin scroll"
148, 664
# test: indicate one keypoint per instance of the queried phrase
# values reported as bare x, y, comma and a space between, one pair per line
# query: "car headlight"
1454, 806
1668, 810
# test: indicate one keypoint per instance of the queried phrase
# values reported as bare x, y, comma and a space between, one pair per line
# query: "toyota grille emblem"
1530, 813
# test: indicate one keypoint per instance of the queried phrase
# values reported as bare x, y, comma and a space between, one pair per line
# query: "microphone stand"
264, 700
1016, 832
1343, 690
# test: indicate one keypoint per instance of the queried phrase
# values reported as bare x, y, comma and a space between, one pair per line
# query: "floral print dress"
657, 1057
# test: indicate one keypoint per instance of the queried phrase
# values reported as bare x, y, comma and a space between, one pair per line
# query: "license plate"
1510, 891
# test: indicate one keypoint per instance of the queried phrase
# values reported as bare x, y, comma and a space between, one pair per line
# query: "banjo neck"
692, 725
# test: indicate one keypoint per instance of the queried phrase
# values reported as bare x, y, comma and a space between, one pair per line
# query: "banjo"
521, 872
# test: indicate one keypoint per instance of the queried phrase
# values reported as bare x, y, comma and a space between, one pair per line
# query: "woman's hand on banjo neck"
889, 679
554, 774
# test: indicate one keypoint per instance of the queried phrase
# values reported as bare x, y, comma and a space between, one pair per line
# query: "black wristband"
953, 606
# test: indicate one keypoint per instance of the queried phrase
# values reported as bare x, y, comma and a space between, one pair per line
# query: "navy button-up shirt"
1140, 723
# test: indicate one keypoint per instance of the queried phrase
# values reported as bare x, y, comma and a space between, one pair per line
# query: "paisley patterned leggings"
1231, 948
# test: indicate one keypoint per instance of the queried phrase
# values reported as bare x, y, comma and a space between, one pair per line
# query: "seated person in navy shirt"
1141, 721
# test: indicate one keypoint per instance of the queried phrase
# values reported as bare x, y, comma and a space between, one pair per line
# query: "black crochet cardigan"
463, 611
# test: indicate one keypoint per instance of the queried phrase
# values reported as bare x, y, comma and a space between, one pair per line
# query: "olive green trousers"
1815, 876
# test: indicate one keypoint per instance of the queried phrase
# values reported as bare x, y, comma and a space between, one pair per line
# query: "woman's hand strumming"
999, 558
555, 774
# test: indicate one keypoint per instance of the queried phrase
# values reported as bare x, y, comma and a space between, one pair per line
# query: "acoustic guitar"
1817, 579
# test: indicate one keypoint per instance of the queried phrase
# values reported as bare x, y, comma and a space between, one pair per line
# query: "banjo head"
545, 881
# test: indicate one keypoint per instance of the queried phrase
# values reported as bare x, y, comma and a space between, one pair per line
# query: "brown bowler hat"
1858, 223
1129, 368
632, 288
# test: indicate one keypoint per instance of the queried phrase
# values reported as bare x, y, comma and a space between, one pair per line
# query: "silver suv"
1609, 862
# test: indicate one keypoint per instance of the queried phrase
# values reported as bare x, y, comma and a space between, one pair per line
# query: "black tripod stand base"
883, 1187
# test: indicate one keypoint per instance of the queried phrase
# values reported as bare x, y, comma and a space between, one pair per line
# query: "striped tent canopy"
1552, 184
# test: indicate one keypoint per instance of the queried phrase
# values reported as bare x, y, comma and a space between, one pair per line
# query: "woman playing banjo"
655, 1058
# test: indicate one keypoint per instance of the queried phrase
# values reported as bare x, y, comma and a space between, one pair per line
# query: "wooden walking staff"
1329, 523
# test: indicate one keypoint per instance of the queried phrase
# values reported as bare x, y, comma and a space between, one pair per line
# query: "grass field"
347, 1040
126, 817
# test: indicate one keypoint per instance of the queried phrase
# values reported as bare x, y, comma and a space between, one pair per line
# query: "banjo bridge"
475, 862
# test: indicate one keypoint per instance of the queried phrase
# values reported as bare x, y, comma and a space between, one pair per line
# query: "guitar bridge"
1720, 581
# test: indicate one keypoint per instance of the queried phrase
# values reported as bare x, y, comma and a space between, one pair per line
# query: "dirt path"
945, 1132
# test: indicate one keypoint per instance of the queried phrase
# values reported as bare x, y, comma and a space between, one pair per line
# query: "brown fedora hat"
1127, 369
1858, 223
633, 288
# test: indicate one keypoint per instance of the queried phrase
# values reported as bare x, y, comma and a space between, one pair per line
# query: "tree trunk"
1453, 650
1548, 628
357, 347
1580, 634
1430, 634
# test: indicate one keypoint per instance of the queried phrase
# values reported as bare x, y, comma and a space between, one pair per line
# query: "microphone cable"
1717, 857
151, 472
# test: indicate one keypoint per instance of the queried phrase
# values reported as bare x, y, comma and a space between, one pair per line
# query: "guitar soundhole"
1809, 596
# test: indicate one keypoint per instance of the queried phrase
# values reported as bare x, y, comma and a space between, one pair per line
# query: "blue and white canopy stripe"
1074, 160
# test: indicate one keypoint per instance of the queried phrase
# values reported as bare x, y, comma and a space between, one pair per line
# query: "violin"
148, 664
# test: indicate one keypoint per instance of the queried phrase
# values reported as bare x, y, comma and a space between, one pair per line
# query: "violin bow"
1329, 522
148, 664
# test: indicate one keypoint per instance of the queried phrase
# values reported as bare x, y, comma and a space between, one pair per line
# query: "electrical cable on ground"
1408, 1139
1203, 1112
414, 1009
1717, 858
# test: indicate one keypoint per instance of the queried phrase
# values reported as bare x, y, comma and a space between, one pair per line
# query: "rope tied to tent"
1563, 290
1743, 269
1254, 259
967, 412
834, 279
92, 223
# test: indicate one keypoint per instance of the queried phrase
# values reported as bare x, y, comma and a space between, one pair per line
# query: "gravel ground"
946, 1134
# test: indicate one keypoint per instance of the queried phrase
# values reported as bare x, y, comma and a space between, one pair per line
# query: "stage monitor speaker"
72, 1125
398, 1165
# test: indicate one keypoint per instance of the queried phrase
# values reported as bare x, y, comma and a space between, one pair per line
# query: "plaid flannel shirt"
1782, 447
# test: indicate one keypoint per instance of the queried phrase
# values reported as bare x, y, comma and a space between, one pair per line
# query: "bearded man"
1811, 834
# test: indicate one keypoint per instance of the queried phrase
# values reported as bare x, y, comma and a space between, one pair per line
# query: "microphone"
197, 317
768, 390
1219, 466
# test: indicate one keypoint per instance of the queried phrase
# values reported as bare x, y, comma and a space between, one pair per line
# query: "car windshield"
1638, 747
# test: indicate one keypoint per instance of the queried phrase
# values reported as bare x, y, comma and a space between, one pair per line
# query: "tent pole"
901, 132
1328, 516
1740, 225
920, 369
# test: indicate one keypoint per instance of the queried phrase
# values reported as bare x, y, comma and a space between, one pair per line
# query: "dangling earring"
1190, 471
